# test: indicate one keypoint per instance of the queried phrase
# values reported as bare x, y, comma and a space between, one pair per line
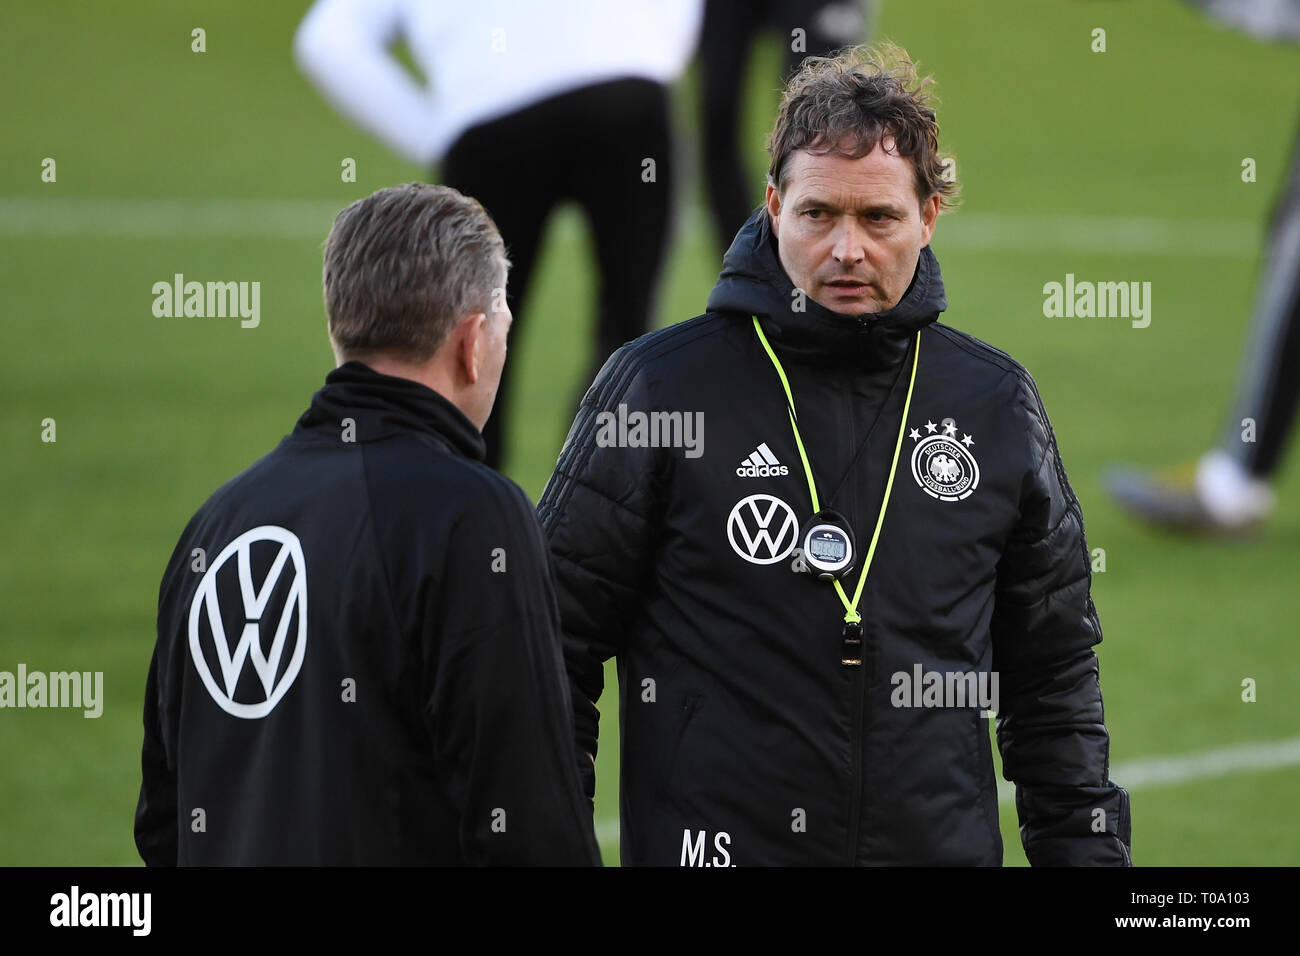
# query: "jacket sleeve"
156, 835
498, 702
157, 822
1050, 726
598, 512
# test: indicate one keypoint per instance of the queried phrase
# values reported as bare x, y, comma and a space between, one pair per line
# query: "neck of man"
436, 373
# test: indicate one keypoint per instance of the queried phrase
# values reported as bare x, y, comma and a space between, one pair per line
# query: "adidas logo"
761, 463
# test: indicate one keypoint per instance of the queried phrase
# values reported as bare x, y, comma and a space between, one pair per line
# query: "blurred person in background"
1230, 488
731, 29
526, 105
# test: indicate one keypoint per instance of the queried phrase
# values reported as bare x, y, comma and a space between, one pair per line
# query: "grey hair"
404, 265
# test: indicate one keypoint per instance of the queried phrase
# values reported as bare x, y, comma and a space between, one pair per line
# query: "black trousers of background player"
587, 146
730, 29
1268, 386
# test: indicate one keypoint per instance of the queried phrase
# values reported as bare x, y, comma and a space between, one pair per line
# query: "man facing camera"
877, 550
357, 657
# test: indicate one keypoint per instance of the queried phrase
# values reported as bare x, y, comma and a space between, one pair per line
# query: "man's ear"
471, 345
929, 216
773, 209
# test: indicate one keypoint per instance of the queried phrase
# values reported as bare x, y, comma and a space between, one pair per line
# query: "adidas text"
761, 463
762, 471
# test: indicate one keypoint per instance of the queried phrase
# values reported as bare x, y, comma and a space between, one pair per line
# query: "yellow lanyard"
851, 615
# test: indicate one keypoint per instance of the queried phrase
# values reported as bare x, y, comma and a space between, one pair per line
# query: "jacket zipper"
855, 801
856, 804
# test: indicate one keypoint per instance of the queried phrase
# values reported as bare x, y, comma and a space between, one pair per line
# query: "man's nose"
851, 240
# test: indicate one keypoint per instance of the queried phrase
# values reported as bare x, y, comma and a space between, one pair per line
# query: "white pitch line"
70, 217
1222, 762
1102, 235
1145, 773
167, 218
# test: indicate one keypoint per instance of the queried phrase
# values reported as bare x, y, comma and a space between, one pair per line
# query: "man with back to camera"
877, 547
358, 658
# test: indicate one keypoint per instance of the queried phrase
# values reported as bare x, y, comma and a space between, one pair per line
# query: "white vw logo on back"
289, 560
771, 520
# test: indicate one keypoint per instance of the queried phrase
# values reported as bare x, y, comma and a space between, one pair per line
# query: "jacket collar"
384, 405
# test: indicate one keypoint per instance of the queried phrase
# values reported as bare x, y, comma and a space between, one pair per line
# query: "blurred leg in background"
517, 186
628, 206
1230, 487
730, 30
587, 145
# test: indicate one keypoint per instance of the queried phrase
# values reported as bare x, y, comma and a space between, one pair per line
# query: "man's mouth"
847, 285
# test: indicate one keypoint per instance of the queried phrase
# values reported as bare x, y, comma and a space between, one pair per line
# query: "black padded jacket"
358, 658
745, 739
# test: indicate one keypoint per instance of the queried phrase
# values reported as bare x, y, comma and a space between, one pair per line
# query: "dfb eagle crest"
942, 464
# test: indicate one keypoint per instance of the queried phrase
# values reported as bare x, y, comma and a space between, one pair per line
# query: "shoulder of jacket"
419, 463
491, 489
979, 349
993, 357
656, 349
664, 342
233, 487
1027, 395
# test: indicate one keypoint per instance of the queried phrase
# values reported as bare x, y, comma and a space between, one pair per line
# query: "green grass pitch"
1122, 165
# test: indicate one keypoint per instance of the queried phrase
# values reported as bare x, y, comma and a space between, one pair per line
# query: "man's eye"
813, 213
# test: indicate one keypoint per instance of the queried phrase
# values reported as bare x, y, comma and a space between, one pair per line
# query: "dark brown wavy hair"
848, 102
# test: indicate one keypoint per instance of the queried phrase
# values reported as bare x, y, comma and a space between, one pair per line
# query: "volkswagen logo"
762, 529
287, 629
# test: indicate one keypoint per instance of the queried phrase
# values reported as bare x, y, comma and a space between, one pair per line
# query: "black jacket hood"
753, 282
